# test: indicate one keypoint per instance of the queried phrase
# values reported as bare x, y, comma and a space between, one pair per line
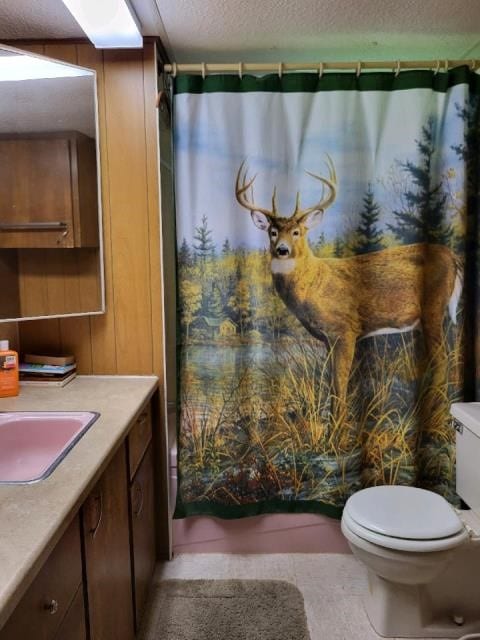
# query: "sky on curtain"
281, 135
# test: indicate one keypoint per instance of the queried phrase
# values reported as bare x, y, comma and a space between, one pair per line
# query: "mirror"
51, 260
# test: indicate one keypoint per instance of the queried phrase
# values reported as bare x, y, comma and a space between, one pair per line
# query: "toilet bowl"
421, 554
406, 537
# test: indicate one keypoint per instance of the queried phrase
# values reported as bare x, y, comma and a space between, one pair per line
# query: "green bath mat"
225, 610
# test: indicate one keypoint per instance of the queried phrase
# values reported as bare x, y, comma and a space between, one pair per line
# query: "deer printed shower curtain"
327, 243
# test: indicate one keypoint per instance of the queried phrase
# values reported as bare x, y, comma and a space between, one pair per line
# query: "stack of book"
56, 371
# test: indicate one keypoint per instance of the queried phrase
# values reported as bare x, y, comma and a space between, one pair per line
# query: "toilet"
421, 554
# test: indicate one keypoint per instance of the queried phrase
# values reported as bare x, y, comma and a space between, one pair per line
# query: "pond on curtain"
326, 254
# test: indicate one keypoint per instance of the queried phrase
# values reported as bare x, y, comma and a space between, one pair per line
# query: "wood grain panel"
153, 203
61, 51
125, 122
9, 331
40, 336
9, 287
102, 336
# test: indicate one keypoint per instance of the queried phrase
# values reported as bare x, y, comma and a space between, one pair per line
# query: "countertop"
33, 517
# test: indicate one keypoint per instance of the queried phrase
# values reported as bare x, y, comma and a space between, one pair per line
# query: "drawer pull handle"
52, 607
139, 489
34, 226
99, 500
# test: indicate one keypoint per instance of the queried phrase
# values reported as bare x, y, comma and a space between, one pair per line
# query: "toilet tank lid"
404, 512
468, 413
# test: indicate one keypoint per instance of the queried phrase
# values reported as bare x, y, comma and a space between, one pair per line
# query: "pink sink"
32, 444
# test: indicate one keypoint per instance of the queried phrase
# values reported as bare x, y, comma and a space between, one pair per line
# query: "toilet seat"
403, 544
404, 518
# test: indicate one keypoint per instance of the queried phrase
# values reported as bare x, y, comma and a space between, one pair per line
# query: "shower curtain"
326, 272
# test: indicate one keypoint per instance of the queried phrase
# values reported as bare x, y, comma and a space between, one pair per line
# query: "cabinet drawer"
139, 439
42, 609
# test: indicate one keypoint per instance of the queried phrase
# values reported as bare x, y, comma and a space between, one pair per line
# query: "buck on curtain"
327, 261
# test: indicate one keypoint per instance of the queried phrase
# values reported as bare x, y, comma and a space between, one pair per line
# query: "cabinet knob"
52, 607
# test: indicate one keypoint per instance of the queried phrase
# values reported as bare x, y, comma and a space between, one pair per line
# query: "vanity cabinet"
142, 509
114, 535
107, 554
48, 191
53, 608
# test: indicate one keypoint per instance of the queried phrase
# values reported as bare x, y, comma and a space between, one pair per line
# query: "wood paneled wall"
128, 338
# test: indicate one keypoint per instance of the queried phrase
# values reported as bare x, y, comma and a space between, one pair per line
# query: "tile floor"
331, 585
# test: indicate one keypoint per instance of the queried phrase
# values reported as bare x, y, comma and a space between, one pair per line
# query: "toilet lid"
403, 512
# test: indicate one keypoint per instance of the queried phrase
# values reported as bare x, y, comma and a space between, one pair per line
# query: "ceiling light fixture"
109, 24
24, 67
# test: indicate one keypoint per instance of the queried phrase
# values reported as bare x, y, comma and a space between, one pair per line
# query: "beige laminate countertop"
33, 517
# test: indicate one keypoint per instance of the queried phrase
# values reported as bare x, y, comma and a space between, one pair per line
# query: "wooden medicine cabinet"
48, 191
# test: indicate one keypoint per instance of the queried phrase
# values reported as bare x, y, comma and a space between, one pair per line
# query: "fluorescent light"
109, 24
25, 67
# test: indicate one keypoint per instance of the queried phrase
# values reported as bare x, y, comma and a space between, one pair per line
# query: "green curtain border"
311, 82
230, 512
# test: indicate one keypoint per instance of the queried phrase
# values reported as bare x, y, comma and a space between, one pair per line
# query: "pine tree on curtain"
327, 277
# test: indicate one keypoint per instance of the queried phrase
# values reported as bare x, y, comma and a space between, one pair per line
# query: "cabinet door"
107, 554
73, 625
41, 610
143, 531
36, 189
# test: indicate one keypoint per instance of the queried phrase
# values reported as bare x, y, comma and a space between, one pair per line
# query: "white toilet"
422, 555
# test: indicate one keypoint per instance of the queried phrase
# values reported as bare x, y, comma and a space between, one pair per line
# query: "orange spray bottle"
8, 371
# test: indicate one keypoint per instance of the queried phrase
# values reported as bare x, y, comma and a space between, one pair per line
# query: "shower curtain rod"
245, 67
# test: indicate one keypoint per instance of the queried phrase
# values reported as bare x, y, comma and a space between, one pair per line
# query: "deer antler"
330, 182
242, 185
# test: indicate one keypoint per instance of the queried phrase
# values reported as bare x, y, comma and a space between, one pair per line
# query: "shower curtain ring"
359, 68
174, 69
397, 69
240, 70
437, 68
280, 70
320, 70
204, 70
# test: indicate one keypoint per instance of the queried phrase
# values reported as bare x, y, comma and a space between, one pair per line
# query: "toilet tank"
467, 424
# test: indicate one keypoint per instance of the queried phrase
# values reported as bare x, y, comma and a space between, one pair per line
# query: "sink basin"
32, 444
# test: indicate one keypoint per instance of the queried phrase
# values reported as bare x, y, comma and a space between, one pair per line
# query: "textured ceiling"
278, 30
56, 104
36, 19
288, 30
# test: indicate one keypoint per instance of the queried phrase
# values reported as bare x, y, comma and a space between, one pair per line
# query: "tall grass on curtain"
326, 228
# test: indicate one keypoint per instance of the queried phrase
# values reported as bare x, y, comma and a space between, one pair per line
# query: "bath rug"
225, 610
